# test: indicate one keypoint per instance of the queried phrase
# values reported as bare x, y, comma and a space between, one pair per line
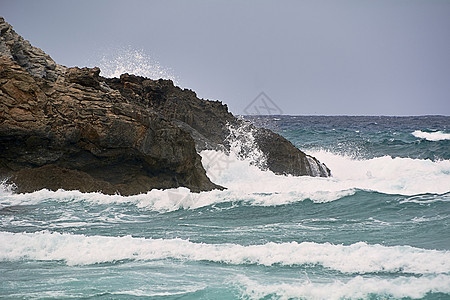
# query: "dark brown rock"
74, 136
85, 76
209, 118
283, 158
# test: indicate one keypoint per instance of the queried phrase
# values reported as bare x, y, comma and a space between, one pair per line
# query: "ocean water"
378, 229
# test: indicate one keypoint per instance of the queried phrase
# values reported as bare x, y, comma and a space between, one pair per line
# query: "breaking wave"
357, 258
358, 287
432, 136
246, 183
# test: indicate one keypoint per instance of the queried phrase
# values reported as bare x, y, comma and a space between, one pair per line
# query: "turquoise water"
378, 229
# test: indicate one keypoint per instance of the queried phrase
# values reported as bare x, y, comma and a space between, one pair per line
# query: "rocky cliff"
71, 128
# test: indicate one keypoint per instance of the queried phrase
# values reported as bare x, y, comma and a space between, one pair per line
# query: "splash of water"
134, 61
243, 145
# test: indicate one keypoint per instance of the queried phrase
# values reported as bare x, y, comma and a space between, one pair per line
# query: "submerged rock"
73, 129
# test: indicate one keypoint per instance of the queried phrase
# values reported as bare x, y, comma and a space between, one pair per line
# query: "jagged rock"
209, 118
85, 76
32, 59
71, 128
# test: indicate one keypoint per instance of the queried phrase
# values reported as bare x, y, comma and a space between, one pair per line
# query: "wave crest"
431, 136
356, 258
355, 288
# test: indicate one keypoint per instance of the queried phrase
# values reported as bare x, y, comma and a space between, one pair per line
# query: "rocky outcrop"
72, 135
208, 118
71, 128
284, 158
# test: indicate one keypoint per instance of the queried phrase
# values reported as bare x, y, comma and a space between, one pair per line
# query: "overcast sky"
309, 57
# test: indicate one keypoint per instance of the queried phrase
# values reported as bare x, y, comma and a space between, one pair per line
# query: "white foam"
431, 136
247, 182
355, 288
150, 293
404, 176
356, 258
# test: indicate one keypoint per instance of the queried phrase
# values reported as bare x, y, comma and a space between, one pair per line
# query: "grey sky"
310, 57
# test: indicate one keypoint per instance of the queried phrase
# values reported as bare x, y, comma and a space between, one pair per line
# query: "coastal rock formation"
74, 136
71, 128
61, 128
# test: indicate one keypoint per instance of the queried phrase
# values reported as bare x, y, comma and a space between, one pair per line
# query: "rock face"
71, 128
75, 136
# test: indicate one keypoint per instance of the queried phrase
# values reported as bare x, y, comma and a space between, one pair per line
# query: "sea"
378, 228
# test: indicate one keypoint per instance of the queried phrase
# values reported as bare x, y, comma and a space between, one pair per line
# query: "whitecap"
431, 136
389, 175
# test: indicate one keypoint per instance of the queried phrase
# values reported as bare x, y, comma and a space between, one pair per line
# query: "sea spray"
134, 61
243, 145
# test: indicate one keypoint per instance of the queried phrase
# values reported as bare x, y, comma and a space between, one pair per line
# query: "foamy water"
355, 288
246, 182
